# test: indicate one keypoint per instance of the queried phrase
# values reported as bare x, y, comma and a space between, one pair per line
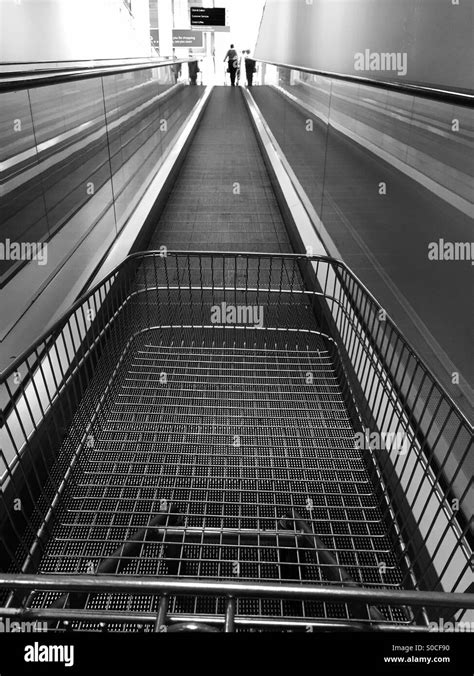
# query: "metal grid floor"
230, 438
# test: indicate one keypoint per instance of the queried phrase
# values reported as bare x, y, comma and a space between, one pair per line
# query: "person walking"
176, 68
193, 70
232, 59
241, 68
250, 68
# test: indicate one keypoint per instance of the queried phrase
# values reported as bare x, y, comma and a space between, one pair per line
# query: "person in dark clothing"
232, 59
193, 68
250, 68
176, 68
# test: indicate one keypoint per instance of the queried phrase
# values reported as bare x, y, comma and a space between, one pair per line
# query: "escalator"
223, 199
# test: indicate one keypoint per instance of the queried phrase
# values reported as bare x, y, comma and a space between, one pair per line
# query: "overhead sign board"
207, 16
187, 38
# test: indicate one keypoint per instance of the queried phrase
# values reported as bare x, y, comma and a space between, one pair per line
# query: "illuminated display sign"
203, 16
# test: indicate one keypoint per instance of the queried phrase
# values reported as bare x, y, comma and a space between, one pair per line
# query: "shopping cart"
232, 442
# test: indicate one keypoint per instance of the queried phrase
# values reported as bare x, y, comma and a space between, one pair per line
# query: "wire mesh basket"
236, 442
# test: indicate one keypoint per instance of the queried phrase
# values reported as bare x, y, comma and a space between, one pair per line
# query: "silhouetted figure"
241, 67
250, 68
193, 68
232, 59
176, 68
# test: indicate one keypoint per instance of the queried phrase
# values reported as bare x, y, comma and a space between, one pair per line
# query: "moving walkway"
229, 440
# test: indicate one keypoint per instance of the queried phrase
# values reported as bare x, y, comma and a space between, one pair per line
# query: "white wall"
55, 30
436, 35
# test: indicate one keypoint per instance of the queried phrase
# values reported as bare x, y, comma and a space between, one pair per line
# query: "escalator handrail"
463, 97
14, 80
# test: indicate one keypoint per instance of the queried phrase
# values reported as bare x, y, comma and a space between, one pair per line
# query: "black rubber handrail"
88, 66
14, 81
464, 97
118, 59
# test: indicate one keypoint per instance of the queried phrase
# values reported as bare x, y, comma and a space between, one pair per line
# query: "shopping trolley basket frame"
424, 494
